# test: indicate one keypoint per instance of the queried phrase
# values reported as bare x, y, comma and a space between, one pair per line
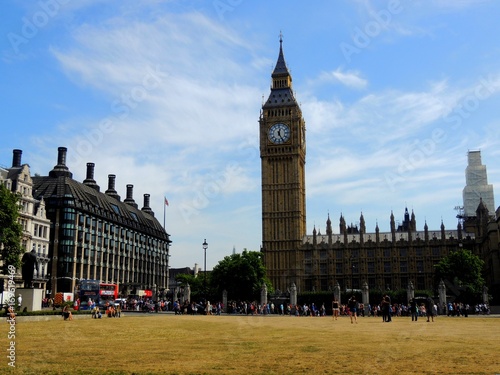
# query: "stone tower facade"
283, 158
355, 257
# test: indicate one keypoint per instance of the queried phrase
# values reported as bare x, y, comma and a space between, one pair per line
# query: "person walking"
335, 308
429, 308
386, 304
353, 306
413, 310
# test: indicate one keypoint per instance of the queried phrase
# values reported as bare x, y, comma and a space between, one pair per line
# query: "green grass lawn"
169, 344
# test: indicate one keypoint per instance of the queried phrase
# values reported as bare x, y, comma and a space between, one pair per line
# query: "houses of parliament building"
382, 260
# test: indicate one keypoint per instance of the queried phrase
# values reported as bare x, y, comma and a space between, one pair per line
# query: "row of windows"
279, 112
280, 83
383, 283
371, 253
91, 241
103, 240
40, 230
90, 255
354, 267
94, 225
86, 271
41, 250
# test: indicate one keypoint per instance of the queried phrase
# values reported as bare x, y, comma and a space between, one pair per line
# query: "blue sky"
167, 95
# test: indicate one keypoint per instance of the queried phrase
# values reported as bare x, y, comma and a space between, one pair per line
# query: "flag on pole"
164, 210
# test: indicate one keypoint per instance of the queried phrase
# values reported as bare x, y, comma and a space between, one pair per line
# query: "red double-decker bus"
98, 292
108, 291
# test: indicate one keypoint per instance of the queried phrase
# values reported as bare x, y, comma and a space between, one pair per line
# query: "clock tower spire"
283, 154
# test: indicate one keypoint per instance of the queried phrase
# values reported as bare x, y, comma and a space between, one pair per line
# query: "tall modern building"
96, 235
354, 257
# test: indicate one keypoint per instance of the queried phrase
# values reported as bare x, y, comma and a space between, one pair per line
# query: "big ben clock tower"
283, 158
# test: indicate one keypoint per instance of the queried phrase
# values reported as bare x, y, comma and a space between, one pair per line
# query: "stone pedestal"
263, 296
293, 295
336, 291
187, 293
365, 298
224, 300
32, 298
410, 292
485, 295
442, 298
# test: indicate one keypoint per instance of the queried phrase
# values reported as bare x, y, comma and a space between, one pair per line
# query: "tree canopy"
463, 269
241, 275
195, 284
10, 229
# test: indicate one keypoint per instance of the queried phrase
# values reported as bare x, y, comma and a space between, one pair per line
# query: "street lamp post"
205, 247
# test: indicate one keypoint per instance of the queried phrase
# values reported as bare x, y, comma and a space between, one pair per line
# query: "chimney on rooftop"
89, 181
146, 207
130, 196
16, 158
61, 170
111, 187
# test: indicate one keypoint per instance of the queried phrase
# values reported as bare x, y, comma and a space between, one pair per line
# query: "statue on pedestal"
30, 264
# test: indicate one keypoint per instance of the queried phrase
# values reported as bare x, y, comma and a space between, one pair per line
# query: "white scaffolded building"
476, 186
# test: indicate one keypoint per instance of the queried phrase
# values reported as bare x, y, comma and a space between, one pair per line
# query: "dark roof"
55, 190
280, 69
280, 98
13, 172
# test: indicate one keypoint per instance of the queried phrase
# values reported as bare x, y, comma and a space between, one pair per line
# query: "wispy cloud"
182, 106
350, 79
389, 146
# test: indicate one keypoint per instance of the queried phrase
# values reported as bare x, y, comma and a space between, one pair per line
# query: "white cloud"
183, 108
350, 79
392, 147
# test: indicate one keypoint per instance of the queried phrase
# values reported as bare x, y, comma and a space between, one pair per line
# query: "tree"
195, 284
10, 230
463, 269
241, 275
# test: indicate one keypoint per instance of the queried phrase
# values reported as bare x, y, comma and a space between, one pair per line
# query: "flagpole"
164, 211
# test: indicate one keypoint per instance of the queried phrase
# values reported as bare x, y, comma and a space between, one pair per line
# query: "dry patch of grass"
168, 344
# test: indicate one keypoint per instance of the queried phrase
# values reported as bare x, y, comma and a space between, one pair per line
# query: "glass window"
387, 267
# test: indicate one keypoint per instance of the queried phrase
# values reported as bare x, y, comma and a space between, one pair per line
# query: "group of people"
427, 308
193, 308
353, 308
482, 308
458, 309
145, 304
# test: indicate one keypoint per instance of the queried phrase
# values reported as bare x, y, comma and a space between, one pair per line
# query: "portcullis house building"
97, 235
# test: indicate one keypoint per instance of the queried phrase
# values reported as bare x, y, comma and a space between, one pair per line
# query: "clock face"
279, 133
